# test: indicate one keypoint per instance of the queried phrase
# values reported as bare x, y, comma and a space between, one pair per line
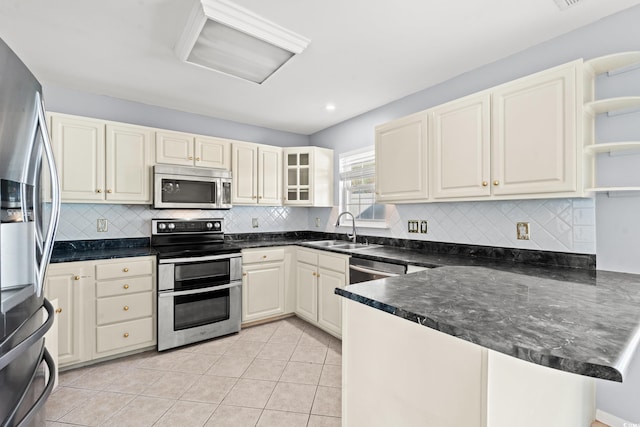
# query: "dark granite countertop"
588, 325
87, 250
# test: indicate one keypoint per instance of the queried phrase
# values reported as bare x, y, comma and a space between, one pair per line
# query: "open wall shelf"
610, 147
625, 104
613, 64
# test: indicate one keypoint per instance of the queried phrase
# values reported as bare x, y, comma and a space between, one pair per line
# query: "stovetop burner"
176, 238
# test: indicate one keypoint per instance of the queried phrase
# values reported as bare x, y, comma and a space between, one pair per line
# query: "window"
357, 188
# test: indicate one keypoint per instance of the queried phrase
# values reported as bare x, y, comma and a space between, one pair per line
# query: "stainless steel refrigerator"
26, 242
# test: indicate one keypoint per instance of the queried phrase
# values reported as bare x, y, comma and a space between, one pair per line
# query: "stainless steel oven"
199, 282
176, 187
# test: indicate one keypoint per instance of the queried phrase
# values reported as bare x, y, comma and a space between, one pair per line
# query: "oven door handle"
200, 258
199, 291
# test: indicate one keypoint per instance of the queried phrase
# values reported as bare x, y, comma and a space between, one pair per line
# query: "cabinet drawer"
309, 257
124, 286
336, 263
124, 269
126, 307
125, 334
263, 255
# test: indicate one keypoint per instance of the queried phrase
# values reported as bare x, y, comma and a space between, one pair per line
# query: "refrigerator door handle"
17, 350
49, 236
39, 403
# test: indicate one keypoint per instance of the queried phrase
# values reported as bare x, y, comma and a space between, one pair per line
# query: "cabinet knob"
126, 286
99, 190
253, 197
244, 274
314, 273
126, 335
109, 191
58, 310
496, 182
190, 157
76, 277
485, 183
126, 270
197, 159
125, 308
264, 257
259, 197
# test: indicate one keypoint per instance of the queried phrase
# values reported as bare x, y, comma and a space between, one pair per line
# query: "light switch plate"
423, 226
523, 231
412, 226
102, 225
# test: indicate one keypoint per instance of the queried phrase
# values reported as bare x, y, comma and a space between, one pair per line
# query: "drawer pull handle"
126, 335
58, 310
126, 270
125, 308
76, 277
126, 286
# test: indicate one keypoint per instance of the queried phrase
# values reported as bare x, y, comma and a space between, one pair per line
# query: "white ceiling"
363, 53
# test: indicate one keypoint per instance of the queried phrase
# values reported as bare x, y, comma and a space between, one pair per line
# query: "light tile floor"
284, 373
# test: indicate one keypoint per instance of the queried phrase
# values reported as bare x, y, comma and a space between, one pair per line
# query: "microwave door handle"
49, 235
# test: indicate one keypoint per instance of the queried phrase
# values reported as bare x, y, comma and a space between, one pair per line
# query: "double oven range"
199, 281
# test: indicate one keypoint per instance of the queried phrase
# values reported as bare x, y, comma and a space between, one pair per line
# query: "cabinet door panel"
245, 167
129, 162
174, 148
330, 304
270, 176
78, 146
534, 140
307, 291
263, 291
401, 159
213, 153
459, 157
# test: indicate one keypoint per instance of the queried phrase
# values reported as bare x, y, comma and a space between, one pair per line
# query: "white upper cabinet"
520, 140
79, 151
401, 160
101, 161
257, 174
460, 144
308, 176
535, 133
129, 163
184, 149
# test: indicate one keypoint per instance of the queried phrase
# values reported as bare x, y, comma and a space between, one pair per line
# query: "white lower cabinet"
71, 283
318, 274
105, 307
263, 283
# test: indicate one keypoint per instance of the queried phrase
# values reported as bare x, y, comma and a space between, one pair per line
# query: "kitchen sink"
326, 243
340, 244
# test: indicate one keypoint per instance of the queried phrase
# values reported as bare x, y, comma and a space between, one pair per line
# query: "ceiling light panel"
227, 38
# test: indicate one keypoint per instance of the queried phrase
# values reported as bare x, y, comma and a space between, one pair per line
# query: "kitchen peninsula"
477, 346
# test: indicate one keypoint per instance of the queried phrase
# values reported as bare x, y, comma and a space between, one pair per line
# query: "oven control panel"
193, 226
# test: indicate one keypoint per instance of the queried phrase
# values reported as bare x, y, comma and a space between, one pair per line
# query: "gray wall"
618, 235
61, 100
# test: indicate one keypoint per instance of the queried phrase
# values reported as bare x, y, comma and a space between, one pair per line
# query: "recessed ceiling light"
330, 107
230, 39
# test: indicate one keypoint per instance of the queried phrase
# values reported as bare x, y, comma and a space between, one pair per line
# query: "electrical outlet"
412, 226
102, 225
317, 222
423, 226
254, 222
522, 231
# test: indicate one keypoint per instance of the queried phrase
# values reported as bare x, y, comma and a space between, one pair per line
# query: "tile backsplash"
561, 225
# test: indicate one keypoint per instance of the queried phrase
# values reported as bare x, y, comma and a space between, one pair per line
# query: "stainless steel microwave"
179, 187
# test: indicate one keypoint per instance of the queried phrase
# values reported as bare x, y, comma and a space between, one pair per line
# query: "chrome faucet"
351, 236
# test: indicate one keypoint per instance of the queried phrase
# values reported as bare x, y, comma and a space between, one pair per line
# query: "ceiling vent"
230, 39
566, 4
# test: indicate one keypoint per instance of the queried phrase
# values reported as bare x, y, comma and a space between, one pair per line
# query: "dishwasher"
363, 270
